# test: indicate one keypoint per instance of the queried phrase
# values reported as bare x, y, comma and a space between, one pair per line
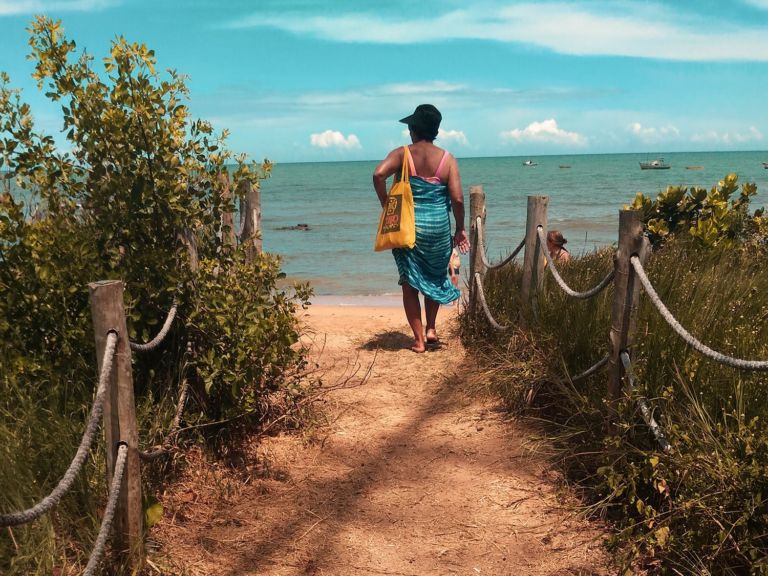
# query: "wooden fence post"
251, 228
476, 208
242, 211
228, 234
120, 417
626, 290
189, 240
533, 261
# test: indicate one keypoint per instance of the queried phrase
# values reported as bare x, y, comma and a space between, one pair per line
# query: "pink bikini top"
436, 179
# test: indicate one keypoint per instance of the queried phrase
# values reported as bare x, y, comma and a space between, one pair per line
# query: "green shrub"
711, 218
242, 357
138, 176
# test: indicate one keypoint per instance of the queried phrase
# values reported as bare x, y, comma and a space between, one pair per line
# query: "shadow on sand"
391, 341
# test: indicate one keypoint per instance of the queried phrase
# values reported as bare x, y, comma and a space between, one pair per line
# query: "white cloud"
456, 136
546, 131
651, 134
416, 88
334, 139
13, 7
383, 103
448, 136
729, 138
762, 4
603, 27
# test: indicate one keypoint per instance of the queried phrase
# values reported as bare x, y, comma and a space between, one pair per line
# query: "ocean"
336, 204
336, 201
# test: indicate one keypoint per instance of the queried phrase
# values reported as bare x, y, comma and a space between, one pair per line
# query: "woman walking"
436, 186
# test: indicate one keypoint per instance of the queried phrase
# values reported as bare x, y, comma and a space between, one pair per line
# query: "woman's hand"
461, 241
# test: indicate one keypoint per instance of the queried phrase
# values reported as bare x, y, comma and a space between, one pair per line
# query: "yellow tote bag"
397, 225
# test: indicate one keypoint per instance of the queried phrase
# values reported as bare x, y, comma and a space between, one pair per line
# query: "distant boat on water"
765, 165
694, 167
565, 166
530, 163
657, 164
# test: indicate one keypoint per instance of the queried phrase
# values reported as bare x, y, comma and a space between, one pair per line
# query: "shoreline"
357, 301
366, 300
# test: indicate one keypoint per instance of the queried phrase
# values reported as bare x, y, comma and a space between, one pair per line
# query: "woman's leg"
431, 308
413, 314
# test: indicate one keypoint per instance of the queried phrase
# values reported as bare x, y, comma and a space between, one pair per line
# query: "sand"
405, 474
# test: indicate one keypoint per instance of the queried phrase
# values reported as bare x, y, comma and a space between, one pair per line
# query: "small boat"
694, 167
564, 166
657, 164
530, 163
765, 165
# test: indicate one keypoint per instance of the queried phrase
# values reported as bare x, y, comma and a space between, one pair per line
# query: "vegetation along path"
408, 476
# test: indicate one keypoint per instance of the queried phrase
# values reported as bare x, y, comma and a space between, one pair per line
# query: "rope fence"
482, 248
594, 369
165, 446
66, 482
157, 340
488, 315
645, 411
684, 334
627, 276
109, 512
112, 384
559, 279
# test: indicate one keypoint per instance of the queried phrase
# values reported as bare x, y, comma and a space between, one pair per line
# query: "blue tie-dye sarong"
425, 266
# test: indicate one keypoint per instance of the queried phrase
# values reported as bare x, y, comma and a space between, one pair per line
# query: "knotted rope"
684, 334
553, 268
157, 340
45, 505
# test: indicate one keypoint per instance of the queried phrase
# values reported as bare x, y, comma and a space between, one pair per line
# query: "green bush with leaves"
254, 352
701, 508
135, 183
712, 218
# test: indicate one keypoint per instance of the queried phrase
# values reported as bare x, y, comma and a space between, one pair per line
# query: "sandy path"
408, 477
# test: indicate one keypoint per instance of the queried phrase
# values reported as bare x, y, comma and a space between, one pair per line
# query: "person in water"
436, 185
556, 247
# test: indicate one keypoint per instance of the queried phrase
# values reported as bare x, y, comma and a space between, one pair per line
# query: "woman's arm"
460, 238
391, 164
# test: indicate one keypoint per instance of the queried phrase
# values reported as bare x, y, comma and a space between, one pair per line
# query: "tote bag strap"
405, 171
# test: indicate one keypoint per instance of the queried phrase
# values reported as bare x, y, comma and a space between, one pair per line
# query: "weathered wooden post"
626, 290
476, 209
251, 228
242, 201
120, 417
228, 235
189, 240
533, 261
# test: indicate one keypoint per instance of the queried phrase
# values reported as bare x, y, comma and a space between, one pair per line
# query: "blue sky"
304, 80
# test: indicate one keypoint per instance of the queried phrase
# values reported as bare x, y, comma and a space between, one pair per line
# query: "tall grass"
702, 507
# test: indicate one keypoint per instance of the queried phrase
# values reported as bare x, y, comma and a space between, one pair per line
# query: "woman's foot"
432, 338
419, 347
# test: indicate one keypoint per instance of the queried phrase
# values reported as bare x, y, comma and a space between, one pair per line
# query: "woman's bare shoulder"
396, 152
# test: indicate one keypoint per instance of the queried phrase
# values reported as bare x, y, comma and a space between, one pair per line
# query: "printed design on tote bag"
391, 220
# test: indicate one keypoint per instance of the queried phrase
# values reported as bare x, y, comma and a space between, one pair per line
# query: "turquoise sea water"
337, 201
